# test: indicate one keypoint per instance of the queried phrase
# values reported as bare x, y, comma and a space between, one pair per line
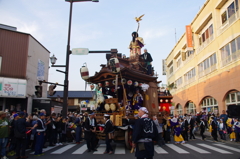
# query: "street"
196, 149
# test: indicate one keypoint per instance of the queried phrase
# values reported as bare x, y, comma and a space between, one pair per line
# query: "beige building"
203, 69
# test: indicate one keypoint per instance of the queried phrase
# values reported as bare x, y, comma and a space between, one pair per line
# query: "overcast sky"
100, 26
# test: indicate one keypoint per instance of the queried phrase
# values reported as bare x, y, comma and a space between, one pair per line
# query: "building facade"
23, 61
75, 98
203, 69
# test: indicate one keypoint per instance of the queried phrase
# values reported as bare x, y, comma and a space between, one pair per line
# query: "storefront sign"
11, 87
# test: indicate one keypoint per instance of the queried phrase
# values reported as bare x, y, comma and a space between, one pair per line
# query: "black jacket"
148, 58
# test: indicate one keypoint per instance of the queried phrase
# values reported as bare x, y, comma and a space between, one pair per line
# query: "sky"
100, 26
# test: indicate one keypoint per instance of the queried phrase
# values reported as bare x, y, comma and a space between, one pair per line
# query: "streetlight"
68, 52
53, 59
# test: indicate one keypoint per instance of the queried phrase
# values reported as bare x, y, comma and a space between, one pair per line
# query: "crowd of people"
184, 127
20, 131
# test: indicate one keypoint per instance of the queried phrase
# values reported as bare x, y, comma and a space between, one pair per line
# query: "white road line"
63, 149
81, 150
101, 149
215, 149
229, 148
120, 149
160, 150
177, 149
45, 149
196, 149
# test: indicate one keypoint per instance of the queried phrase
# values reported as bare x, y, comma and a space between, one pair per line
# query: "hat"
2, 112
144, 109
15, 115
42, 114
106, 115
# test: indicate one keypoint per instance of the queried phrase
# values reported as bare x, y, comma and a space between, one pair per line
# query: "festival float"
122, 86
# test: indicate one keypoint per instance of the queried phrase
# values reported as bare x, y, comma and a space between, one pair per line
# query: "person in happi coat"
108, 130
202, 126
230, 131
89, 132
177, 134
214, 129
144, 133
236, 129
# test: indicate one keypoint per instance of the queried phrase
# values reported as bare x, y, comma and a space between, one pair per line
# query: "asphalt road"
195, 149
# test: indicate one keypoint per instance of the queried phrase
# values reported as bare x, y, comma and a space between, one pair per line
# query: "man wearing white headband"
144, 133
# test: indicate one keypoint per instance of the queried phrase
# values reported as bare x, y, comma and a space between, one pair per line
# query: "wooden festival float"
122, 86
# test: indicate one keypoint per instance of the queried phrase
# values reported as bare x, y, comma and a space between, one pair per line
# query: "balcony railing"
205, 43
231, 58
207, 71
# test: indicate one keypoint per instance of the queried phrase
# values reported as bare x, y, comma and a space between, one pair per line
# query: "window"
231, 10
233, 46
233, 98
179, 61
191, 108
179, 109
190, 74
211, 30
206, 34
210, 104
230, 52
171, 70
224, 17
207, 63
238, 43
179, 81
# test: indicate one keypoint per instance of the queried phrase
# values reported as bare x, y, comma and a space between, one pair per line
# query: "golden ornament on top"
139, 18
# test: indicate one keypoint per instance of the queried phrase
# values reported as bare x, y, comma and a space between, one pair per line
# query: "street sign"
80, 51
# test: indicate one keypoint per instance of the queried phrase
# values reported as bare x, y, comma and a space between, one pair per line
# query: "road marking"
101, 149
45, 149
120, 149
196, 149
177, 149
160, 150
227, 147
215, 149
63, 149
81, 150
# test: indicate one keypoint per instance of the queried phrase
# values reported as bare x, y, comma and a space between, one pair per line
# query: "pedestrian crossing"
201, 148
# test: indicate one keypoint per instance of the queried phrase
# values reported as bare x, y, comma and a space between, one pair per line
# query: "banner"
189, 37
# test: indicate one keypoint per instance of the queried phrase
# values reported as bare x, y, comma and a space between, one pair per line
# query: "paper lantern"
135, 83
145, 87
129, 82
84, 72
123, 81
114, 65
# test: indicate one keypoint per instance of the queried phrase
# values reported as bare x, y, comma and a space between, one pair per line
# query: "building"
23, 61
203, 68
74, 98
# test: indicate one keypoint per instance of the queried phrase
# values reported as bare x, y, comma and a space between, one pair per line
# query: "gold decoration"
147, 97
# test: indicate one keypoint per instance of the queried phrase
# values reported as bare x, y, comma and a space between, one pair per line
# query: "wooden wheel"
128, 139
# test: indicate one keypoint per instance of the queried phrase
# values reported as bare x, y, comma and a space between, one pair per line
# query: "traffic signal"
38, 91
51, 88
